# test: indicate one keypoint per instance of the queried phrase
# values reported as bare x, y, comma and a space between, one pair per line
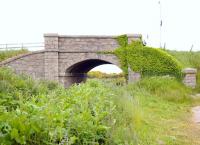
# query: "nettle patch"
146, 60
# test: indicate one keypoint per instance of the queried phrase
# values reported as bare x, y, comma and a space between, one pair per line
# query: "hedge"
146, 60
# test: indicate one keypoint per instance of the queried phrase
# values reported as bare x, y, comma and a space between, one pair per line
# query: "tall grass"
10, 53
166, 87
189, 59
148, 111
163, 104
35, 112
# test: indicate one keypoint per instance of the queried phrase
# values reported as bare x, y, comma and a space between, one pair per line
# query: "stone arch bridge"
67, 59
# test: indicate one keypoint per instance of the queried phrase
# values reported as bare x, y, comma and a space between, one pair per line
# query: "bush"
34, 112
148, 61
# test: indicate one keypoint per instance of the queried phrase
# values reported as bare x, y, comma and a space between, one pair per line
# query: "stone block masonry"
190, 77
51, 57
31, 64
133, 77
67, 59
63, 52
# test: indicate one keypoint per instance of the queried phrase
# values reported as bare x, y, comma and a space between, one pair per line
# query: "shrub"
147, 61
33, 112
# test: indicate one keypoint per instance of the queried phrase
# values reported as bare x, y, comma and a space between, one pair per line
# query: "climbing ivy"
121, 52
122, 40
146, 60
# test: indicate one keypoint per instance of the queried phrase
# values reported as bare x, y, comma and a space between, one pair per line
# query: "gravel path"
196, 114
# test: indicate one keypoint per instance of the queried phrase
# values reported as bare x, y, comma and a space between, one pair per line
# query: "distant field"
189, 59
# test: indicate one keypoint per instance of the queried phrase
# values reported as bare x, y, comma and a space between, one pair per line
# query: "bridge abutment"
62, 52
51, 57
67, 59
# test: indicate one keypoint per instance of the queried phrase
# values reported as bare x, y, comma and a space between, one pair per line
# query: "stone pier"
190, 77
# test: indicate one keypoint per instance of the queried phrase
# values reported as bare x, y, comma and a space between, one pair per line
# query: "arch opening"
107, 69
78, 72
86, 65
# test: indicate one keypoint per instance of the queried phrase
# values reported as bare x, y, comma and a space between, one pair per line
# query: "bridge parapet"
67, 59
55, 42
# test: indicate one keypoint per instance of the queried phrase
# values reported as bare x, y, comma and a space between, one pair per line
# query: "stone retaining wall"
31, 64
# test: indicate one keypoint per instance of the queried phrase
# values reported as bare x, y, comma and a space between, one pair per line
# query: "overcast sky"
27, 20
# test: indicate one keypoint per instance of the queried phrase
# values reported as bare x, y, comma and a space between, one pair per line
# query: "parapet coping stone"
190, 70
90, 36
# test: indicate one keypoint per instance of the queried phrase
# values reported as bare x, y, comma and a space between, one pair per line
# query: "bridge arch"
77, 72
86, 65
66, 59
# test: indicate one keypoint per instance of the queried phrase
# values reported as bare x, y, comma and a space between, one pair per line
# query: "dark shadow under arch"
77, 73
86, 65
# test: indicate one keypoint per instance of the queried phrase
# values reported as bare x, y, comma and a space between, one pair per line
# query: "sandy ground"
194, 127
196, 115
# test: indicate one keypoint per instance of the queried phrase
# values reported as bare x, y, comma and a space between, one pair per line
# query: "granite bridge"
67, 59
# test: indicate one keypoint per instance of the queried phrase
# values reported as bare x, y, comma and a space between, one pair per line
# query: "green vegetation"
163, 121
10, 53
164, 104
117, 79
122, 40
44, 113
99, 75
148, 61
151, 111
189, 59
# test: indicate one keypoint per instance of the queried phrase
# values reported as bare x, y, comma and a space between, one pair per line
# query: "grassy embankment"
170, 121
154, 111
10, 53
189, 59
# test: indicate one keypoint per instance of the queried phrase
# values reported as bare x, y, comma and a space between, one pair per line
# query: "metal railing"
17, 46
